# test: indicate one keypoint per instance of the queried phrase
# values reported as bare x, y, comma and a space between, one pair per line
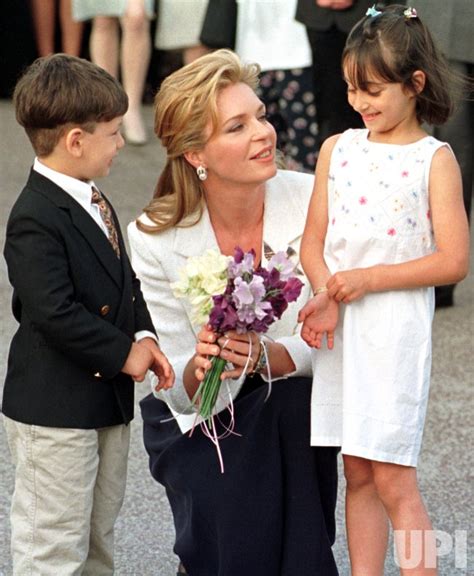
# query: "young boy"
84, 329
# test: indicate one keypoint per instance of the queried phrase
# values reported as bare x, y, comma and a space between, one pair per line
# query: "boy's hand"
319, 316
160, 365
138, 361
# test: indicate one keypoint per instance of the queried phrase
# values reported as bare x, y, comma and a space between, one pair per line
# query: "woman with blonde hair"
272, 510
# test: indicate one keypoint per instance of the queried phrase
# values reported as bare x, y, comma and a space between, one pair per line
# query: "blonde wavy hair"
185, 106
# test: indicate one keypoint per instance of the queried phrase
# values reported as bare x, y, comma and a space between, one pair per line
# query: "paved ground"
145, 530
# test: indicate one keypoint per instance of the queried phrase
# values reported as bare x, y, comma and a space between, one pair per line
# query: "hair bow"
410, 13
373, 12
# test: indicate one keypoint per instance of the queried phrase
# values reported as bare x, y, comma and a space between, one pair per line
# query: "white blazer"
158, 258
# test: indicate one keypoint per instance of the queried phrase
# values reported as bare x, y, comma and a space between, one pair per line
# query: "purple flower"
248, 299
292, 289
254, 297
263, 325
283, 264
279, 304
247, 293
242, 263
274, 280
223, 315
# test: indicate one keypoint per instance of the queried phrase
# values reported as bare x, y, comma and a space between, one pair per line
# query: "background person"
451, 25
120, 38
328, 23
267, 33
44, 19
179, 26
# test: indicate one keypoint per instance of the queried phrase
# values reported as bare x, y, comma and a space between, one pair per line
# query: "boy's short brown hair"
58, 91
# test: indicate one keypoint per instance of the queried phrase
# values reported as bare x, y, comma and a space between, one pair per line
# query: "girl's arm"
312, 243
320, 314
447, 265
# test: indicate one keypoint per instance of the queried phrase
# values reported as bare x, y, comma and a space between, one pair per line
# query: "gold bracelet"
320, 290
261, 364
260, 352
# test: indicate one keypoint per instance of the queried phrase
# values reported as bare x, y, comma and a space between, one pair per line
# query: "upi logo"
423, 547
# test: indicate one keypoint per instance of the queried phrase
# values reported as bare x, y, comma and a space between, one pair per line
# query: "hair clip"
410, 13
373, 12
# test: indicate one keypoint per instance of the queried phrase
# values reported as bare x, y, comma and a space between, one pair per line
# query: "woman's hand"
236, 349
349, 286
319, 316
206, 347
232, 347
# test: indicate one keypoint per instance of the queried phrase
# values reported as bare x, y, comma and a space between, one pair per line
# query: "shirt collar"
79, 190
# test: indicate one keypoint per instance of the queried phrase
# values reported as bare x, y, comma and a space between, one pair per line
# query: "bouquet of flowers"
232, 294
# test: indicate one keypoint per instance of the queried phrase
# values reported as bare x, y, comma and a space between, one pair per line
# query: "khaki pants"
69, 488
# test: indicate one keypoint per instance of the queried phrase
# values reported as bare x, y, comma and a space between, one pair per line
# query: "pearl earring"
201, 172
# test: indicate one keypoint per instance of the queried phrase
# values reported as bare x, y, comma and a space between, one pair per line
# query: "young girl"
386, 223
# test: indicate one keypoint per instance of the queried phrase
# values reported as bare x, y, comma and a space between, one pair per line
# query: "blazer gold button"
105, 310
97, 375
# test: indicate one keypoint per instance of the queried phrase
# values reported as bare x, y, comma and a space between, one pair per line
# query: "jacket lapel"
192, 241
83, 222
284, 219
195, 240
97, 240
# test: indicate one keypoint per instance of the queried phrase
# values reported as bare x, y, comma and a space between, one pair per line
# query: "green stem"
209, 389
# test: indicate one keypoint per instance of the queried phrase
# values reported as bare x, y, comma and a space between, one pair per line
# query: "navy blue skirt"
271, 513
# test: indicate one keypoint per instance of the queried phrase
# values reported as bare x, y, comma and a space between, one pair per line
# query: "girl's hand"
349, 286
235, 349
319, 317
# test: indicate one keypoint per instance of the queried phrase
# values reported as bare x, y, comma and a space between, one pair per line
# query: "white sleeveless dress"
370, 392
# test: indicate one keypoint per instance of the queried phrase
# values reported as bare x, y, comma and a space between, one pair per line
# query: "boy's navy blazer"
78, 308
